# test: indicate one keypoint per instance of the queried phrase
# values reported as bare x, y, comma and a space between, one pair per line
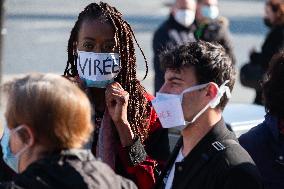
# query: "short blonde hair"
57, 111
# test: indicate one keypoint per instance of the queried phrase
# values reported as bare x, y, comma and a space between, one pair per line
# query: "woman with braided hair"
102, 60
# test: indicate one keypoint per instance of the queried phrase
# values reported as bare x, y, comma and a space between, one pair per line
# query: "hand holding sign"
117, 103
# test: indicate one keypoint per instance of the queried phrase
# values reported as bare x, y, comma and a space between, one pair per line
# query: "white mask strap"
26, 146
223, 89
194, 88
16, 129
199, 114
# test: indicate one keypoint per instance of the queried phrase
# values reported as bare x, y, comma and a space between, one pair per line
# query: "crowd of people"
97, 127
190, 20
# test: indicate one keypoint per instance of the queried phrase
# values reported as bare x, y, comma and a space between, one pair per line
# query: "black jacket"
259, 61
217, 162
69, 169
170, 33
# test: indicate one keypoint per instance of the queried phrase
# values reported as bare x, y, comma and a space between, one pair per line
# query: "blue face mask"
12, 160
97, 84
210, 12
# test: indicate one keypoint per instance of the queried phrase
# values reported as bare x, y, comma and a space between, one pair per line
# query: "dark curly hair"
273, 88
209, 60
138, 108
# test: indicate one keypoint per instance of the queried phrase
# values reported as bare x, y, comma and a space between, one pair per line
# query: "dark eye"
88, 46
109, 47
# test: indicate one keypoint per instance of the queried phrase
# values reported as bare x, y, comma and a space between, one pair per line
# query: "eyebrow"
90, 38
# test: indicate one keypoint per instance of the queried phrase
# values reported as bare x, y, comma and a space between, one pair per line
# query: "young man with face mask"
176, 30
252, 72
211, 26
199, 77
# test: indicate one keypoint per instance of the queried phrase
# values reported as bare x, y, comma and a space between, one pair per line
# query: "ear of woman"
27, 135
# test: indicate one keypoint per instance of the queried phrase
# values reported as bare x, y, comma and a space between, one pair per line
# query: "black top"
216, 162
75, 168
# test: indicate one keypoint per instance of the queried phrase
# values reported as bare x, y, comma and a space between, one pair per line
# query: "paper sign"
98, 66
169, 113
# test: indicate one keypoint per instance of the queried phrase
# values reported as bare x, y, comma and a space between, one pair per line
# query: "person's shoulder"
162, 27
254, 136
239, 168
277, 33
234, 154
75, 164
223, 21
245, 175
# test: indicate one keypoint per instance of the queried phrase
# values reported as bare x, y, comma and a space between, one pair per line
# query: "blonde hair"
57, 111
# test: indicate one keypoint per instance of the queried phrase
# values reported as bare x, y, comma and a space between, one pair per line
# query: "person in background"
265, 142
198, 80
42, 141
176, 30
102, 60
252, 73
211, 26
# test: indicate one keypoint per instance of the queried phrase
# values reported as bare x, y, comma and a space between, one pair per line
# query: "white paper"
98, 66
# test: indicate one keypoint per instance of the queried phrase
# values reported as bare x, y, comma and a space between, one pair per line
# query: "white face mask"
211, 12
184, 17
98, 69
169, 106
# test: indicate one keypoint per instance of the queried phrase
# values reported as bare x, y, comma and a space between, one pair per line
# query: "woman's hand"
117, 103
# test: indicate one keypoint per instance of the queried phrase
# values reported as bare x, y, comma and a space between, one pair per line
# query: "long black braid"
138, 106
